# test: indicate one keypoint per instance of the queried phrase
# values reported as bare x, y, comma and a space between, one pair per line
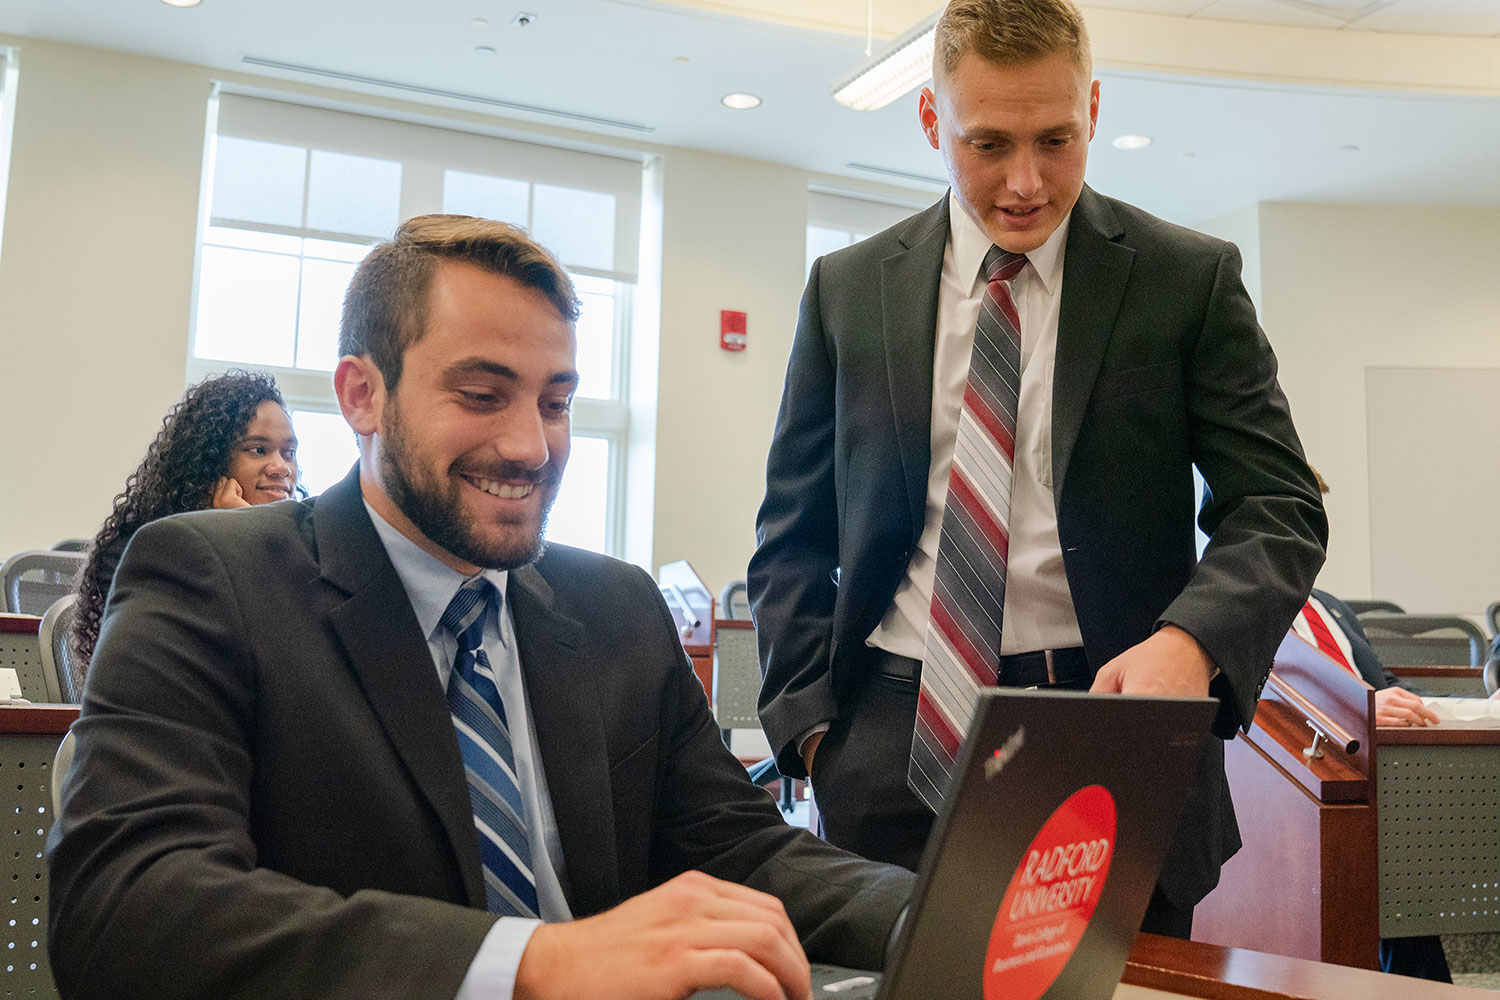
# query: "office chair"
1492, 615
1392, 637
732, 594
64, 675
73, 545
62, 764
1360, 607
34, 580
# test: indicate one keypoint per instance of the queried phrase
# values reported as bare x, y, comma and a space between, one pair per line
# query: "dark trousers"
865, 805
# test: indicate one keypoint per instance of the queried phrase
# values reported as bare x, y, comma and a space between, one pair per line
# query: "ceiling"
657, 70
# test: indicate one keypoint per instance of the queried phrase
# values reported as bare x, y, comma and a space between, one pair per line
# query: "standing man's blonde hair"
1008, 32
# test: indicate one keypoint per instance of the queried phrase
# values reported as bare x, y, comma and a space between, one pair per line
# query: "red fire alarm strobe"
731, 330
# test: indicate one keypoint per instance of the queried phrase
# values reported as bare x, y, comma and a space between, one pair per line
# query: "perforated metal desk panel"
28, 742
1438, 795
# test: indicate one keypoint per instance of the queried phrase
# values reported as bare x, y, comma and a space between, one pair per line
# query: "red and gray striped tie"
962, 652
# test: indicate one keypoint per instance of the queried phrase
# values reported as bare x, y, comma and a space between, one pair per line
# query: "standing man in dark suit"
380, 744
1138, 358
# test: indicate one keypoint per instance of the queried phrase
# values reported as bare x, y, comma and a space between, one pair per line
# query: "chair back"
1492, 615
1424, 640
1360, 607
32, 581
732, 600
73, 545
64, 676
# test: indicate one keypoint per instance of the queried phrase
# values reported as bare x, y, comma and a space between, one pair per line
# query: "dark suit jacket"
1160, 365
268, 797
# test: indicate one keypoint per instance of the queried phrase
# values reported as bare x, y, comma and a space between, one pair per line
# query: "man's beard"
439, 514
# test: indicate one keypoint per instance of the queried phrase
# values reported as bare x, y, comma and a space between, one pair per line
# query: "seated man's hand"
1169, 663
692, 933
1396, 706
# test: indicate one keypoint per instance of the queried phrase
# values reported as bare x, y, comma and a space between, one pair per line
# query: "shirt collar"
968, 244
429, 584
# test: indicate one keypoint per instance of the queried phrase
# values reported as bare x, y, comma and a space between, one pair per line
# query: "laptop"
1038, 872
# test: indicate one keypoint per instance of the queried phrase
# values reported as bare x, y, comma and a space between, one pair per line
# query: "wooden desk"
1464, 680
1194, 969
1388, 834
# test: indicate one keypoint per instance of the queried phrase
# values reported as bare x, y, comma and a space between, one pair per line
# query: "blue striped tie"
489, 761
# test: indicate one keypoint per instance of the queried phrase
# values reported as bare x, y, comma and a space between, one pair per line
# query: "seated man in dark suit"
1332, 626
383, 744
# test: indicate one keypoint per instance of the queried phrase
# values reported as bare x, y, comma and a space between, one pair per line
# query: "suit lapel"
909, 304
390, 656
570, 735
1095, 272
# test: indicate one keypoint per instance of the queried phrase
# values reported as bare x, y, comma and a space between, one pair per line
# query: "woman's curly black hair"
181, 469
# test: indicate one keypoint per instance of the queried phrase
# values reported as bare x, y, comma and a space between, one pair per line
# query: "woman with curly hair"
227, 443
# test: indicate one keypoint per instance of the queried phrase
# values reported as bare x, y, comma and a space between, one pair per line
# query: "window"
7, 116
835, 221
296, 196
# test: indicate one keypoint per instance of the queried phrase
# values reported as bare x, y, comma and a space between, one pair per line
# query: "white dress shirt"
1038, 605
430, 586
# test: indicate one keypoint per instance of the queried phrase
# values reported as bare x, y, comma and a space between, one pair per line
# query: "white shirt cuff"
492, 974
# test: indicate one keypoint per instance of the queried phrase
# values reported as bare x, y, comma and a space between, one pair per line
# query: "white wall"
1351, 287
735, 236
96, 279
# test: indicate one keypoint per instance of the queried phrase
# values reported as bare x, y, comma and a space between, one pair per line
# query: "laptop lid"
1040, 867
1039, 870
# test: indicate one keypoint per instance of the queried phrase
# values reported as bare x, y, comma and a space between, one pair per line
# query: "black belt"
1038, 668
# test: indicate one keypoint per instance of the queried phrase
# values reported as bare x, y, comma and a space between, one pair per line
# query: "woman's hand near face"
229, 494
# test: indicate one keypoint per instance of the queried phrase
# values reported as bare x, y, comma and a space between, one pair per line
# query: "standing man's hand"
1169, 663
810, 749
694, 932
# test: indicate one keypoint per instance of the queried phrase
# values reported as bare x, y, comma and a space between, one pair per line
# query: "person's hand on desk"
1169, 663
1399, 707
692, 933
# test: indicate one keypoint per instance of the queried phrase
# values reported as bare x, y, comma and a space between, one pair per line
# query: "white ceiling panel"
665, 67
1439, 17
1262, 12
1178, 8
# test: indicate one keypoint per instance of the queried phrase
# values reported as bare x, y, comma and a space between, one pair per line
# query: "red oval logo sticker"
1051, 897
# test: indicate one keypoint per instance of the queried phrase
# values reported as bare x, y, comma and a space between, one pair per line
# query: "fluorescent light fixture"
1132, 141
740, 102
904, 66
182, 3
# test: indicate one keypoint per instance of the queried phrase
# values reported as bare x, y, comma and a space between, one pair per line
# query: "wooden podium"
1353, 832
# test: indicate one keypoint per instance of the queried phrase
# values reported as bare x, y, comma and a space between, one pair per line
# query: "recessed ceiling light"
1349, 149
1132, 141
480, 22
182, 3
682, 60
740, 102
484, 51
523, 20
